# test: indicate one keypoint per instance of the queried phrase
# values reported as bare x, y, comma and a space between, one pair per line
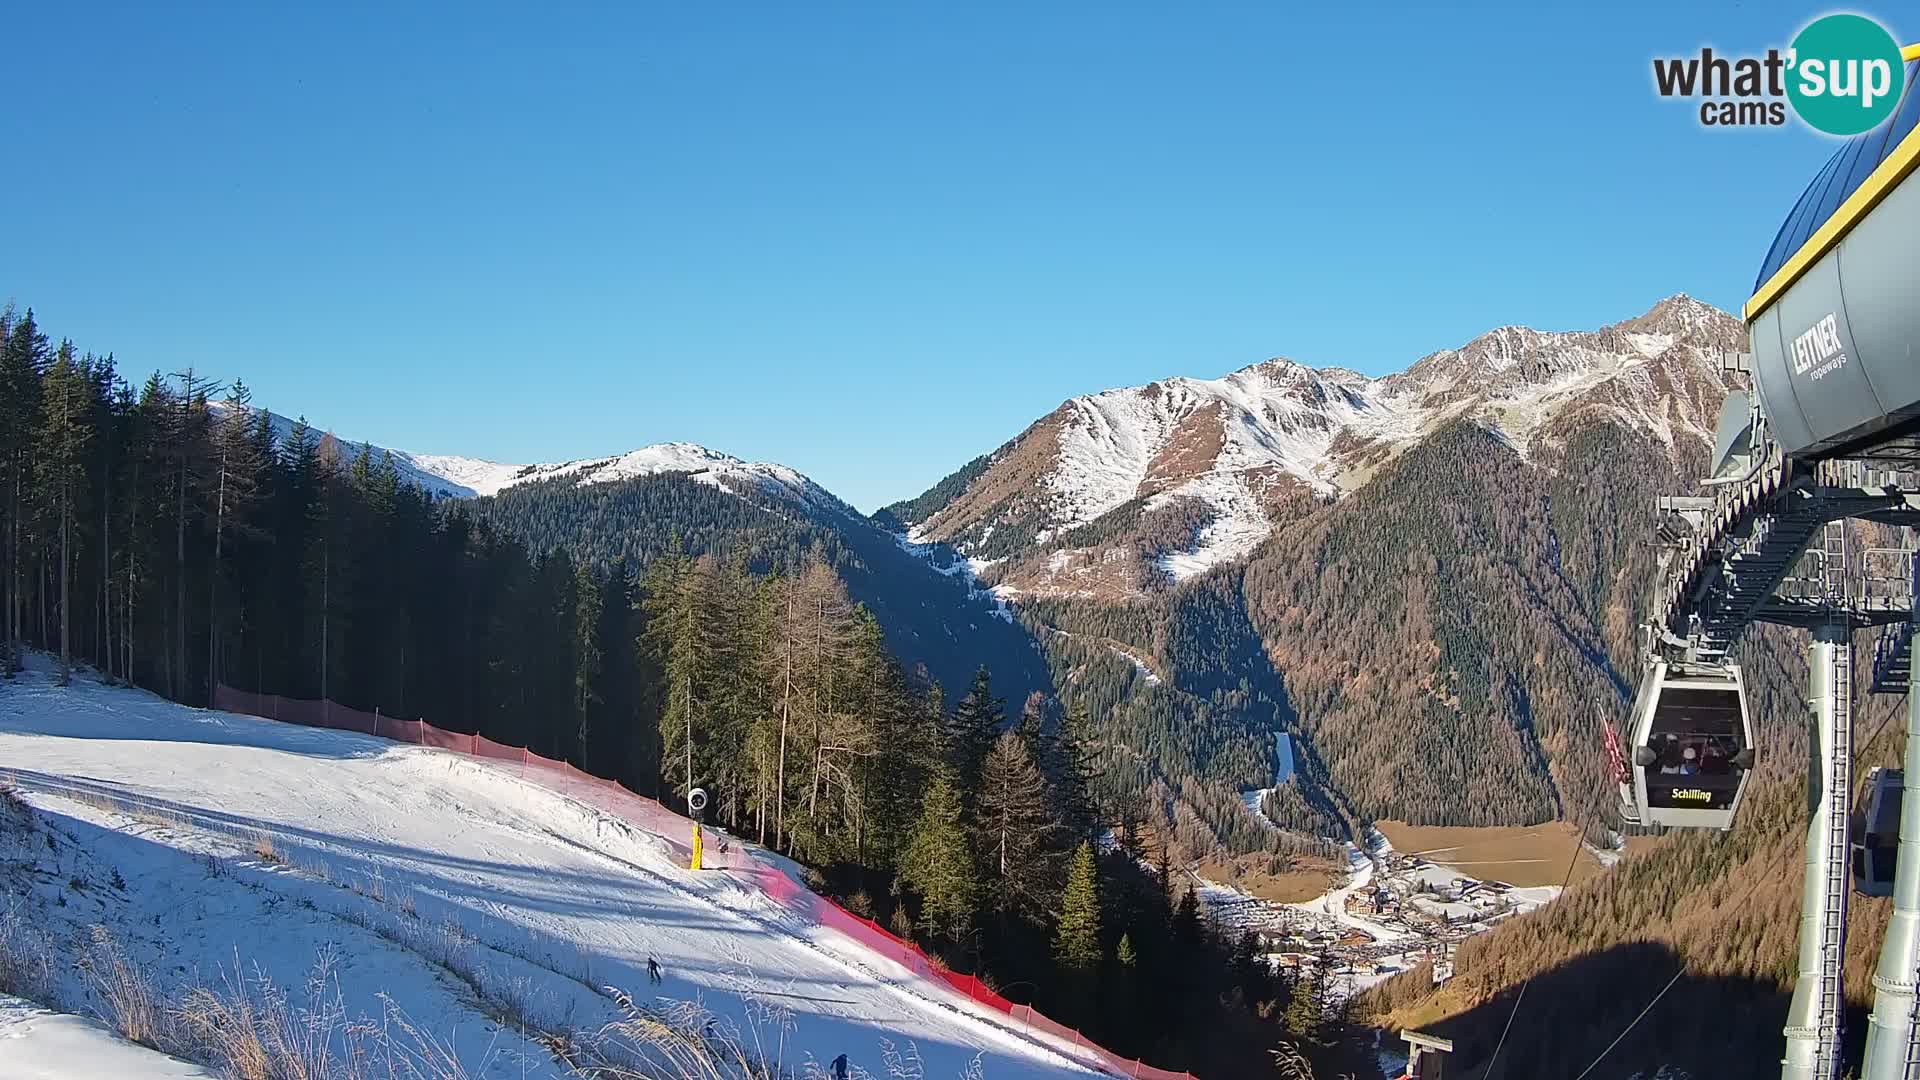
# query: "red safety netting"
445, 740
484, 747
406, 731
650, 815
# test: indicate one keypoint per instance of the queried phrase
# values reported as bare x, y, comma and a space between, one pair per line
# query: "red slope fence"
649, 814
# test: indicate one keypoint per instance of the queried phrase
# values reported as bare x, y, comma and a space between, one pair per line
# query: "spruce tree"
971, 730
587, 657
1076, 943
21, 362
1016, 833
1305, 1014
235, 485
61, 458
682, 624
939, 865
1188, 931
1070, 769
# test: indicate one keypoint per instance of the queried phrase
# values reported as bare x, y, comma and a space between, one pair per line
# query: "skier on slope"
653, 970
840, 1067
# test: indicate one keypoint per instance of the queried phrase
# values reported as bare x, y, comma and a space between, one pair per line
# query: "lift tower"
1831, 438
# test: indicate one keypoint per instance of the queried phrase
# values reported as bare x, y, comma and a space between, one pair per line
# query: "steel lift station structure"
1829, 437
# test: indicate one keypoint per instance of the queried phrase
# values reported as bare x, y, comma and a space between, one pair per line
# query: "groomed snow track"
555, 888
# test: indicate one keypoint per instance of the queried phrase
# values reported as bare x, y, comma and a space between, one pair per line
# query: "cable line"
1564, 882
1636, 1020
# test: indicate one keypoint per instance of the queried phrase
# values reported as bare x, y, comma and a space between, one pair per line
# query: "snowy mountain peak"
751, 480
455, 477
1219, 458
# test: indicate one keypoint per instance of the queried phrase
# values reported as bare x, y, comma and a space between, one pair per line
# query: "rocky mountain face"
1428, 581
1118, 493
1409, 596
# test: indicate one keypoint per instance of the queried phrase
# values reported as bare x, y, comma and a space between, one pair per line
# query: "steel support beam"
1813, 1019
1893, 1039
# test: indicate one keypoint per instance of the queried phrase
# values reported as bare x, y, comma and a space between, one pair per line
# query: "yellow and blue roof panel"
1853, 181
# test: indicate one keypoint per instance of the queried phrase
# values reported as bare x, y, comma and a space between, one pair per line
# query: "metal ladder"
1833, 922
1913, 1046
1837, 791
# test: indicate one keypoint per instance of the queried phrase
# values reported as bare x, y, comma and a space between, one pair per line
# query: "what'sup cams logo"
1842, 75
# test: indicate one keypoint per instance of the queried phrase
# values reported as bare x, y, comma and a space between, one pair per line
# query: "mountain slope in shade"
682, 496
1191, 473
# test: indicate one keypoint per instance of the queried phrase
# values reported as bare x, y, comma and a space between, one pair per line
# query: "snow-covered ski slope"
38, 1044
447, 884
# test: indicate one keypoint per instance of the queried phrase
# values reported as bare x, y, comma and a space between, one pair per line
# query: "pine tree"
112, 403
1188, 931
1076, 943
587, 655
939, 865
682, 604
971, 730
1016, 833
1125, 954
1305, 1013
21, 362
237, 477
1249, 969
65, 438
1069, 768
187, 449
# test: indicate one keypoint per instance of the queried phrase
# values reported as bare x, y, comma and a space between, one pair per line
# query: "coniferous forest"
161, 533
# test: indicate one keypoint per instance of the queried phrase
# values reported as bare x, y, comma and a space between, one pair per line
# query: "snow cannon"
697, 809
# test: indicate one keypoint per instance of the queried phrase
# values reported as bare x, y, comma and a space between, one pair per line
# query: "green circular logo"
1845, 74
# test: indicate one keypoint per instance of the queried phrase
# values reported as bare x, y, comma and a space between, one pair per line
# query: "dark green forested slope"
1198, 727
177, 546
1454, 635
931, 620
899, 515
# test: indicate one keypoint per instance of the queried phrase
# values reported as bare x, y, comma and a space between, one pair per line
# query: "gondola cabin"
1876, 833
1692, 746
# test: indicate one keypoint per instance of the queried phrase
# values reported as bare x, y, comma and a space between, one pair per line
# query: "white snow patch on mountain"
942, 560
1325, 428
463, 477
1240, 525
453, 476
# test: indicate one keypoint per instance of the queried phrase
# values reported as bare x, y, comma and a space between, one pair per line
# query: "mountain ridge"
1235, 486
1216, 464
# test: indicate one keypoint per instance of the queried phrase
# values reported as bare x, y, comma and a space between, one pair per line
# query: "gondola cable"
1522, 996
1636, 1020
1858, 747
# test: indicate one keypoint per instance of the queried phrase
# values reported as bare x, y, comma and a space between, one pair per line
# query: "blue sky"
870, 241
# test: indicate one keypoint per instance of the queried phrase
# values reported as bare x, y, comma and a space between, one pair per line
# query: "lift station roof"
1834, 325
